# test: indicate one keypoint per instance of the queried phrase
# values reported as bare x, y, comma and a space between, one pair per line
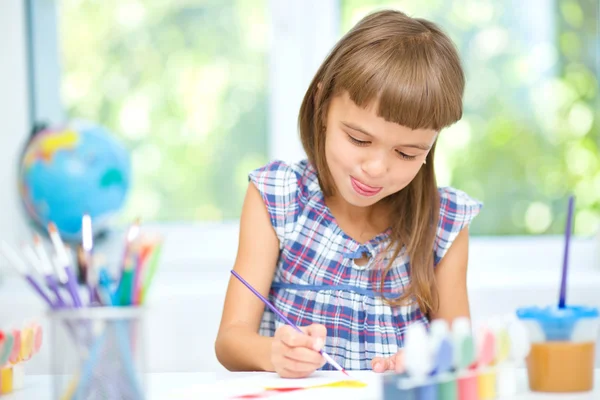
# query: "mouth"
364, 189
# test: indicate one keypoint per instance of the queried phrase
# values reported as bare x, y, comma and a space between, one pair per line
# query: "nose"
375, 167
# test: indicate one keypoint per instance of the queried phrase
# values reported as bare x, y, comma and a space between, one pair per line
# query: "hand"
393, 363
295, 354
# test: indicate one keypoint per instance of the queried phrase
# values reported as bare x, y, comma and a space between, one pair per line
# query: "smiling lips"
364, 190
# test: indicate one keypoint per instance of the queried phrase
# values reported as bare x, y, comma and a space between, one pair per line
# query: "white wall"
14, 126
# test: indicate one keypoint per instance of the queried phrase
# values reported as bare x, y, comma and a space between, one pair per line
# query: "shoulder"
282, 178
457, 205
283, 188
275, 172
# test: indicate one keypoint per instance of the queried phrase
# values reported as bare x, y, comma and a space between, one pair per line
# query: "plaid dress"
317, 281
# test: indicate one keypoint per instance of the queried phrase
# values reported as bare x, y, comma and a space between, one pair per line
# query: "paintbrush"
87, 244
562, 297
19, 265
45, 270
287, 321
63, 259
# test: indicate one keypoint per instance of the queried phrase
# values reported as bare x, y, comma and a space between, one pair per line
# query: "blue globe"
70, 171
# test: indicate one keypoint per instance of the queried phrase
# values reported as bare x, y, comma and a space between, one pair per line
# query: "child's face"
369, 157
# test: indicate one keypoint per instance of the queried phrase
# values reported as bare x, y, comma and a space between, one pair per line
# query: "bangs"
415, 82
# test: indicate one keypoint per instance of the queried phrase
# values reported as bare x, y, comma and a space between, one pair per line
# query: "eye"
358, 142
405, 156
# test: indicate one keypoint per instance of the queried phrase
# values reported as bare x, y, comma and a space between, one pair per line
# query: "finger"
315, 330
283, 331
286, 373
379, 364
299, 366
318, 332
391, 366
305, 355
399, 367
278, 347
293, 338
289, 368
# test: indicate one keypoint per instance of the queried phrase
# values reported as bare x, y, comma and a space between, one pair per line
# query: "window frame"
14, 113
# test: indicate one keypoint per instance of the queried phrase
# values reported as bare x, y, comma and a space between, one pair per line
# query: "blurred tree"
529, 134
184, 85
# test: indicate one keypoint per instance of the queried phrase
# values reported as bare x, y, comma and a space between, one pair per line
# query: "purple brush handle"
563, 282
283, 317
40, 291
53, 285
267, 303
72, 286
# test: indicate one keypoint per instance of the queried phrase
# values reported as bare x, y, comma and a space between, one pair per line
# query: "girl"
358, 241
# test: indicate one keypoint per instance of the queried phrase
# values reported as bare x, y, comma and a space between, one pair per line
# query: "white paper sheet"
246, 383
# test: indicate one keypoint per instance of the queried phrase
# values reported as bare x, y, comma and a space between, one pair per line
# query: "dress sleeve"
457, 210
278, 185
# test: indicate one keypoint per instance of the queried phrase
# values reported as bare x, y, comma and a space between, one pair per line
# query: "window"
530, 130
184, 85
202, 92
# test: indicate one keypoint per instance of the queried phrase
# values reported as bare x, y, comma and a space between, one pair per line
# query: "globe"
72, 170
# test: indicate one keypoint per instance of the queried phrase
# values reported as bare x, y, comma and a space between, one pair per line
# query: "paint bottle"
418, 362
443, 360
486, 354
515, 335
464, 359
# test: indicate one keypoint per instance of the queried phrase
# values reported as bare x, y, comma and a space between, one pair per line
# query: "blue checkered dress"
317, 281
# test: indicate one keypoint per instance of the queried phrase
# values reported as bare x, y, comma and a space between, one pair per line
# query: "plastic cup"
562, 353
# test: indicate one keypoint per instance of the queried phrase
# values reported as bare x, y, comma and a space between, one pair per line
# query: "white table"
209, 385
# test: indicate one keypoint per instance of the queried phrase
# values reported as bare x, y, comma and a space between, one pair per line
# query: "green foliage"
184, 85
530, 131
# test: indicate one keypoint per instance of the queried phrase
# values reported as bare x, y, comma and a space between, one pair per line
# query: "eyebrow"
421, 146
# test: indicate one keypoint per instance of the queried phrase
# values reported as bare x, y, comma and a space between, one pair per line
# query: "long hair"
413, 71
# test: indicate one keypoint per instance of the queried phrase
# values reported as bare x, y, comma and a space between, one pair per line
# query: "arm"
238, 345
451, 278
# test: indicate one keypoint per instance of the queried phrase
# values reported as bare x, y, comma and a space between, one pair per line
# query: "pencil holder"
98, 353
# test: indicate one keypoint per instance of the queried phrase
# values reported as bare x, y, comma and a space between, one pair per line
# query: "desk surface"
198, 385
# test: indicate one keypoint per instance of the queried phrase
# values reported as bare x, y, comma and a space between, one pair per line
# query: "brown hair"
413, 71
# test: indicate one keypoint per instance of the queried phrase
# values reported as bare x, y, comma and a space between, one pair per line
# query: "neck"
374, 215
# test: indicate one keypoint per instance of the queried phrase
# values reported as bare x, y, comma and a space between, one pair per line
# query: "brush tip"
52, 227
